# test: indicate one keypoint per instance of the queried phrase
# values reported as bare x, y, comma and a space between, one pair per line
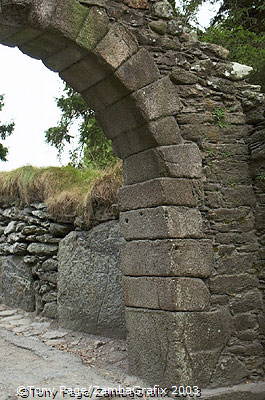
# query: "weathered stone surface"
213, 133
214, 49
50, 265
167, 258
238, 71
59, 230
68, 17
229, 172
142, 4
243, 238
90, 68
227, 220
245, 302
260, 217
190, 91
243, 322
124, 115
17, 283
140, 70
161, 223
239, 195
205, 117
158, 99
257, 145
165, 131
50, 277
4, 249
18, 248
158, 27
160, 191
163, 9
105, 93
44, 45
116, 47
180, 76
33, 230
171, 338
162, 132
50, 310
42, 249
49, 297
8, 31
90, 295
11, 227
248, 350
232, 284
94, 28
100, 3
47, 238
180, 161
229, 370
221, 85
172, 294
235, 263
64, 58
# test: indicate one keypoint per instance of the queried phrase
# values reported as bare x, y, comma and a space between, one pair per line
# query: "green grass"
65, 190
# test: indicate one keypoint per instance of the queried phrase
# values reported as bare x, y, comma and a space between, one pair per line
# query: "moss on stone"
94, 28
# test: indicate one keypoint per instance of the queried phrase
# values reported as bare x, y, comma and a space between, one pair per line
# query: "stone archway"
121, 56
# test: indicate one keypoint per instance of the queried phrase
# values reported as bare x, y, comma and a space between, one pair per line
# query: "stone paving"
95, 351
36, 352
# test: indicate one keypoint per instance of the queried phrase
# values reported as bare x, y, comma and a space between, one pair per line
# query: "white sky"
206, 13
30, 90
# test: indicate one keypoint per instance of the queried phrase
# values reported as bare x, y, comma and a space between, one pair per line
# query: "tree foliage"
93, 149
250, 14
239, 25
245, 47
5, 131
187, 9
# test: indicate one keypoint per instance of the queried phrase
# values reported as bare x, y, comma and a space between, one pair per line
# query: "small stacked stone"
28, 248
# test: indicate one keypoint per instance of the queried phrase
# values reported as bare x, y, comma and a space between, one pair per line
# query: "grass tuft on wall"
67, 191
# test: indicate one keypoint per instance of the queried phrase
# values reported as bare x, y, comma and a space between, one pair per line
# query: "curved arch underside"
103, 62
171, 327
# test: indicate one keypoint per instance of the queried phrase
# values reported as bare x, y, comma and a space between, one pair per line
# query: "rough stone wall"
180, 116
28, 256
219, 112
254, 104
59, 271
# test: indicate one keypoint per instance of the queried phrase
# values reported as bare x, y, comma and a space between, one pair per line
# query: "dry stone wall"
61, 272
28, 251
191, 133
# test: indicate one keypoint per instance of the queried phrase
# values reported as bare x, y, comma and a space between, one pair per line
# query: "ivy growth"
261, 177
219, 117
